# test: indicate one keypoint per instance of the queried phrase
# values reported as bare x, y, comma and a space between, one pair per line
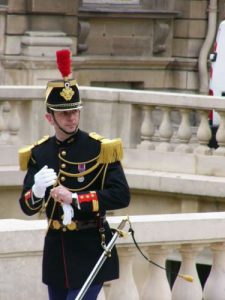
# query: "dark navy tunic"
69, 256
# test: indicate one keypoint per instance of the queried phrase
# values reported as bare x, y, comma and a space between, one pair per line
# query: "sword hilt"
123, 223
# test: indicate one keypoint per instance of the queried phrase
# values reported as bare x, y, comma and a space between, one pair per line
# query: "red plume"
64, 62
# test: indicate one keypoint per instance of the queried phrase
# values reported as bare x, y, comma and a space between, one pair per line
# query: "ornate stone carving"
161, 33
83, 31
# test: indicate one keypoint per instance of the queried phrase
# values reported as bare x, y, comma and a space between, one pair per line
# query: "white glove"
68, 213
43, 179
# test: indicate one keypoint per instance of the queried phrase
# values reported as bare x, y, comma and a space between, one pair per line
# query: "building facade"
137, 44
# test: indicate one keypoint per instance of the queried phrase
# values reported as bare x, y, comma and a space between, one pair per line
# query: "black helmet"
63, 94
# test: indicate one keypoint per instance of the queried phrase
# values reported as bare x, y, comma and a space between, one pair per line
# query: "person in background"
75, 177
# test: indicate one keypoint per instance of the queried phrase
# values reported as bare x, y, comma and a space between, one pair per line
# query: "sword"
106, 253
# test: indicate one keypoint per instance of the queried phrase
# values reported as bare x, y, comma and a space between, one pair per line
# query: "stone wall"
130, 44
38, 28
33, 31
190, 28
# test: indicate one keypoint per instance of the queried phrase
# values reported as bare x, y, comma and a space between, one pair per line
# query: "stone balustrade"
165, 122
165, 127
165, 138
189, 238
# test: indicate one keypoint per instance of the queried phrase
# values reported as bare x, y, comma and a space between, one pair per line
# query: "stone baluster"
6, 109
184, 132
1, 122
203, 134
214, 288
220, 135
156, 286
165, 131
14, 122
183, 289
147, 128
124, 287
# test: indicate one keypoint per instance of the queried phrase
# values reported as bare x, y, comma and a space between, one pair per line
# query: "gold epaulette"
111, 150
25, 153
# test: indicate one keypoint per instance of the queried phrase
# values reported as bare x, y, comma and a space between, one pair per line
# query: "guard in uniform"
75, 177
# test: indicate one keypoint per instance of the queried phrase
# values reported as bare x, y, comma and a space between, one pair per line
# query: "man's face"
68, 120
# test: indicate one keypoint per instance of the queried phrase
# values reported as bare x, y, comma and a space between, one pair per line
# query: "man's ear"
49, 118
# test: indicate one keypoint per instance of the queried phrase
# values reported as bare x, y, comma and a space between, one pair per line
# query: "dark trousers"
67, 294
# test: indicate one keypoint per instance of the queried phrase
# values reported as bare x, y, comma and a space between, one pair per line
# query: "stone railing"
155, 127
188, 238
165, 138
164, 122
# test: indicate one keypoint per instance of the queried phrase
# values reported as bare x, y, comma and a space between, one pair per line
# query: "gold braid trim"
32, 208
77, 163
47, 93
54, 205
90, 183
111, 150
81, 174
50, 220
95, 206
61, 84
103, 178
25, 153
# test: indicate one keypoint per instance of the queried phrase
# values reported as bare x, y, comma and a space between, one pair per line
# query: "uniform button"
63, 153
63, 178
63, 166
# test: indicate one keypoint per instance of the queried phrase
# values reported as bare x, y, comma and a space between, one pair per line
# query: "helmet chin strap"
63, 130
